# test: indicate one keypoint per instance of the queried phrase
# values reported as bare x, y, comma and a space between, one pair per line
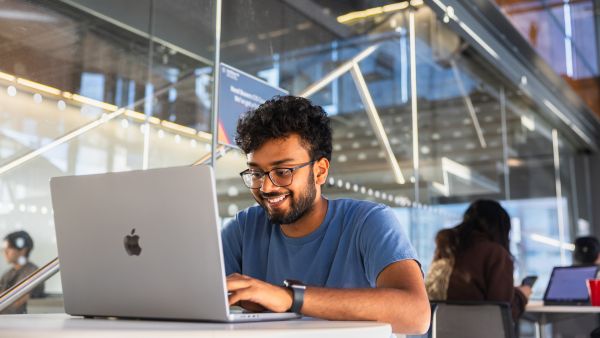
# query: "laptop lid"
567, 285
141, 244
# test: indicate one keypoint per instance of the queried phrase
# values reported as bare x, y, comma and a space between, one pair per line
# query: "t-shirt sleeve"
231, 236
383, 242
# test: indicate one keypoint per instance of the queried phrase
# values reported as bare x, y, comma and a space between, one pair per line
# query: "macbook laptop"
567, 285
143, 244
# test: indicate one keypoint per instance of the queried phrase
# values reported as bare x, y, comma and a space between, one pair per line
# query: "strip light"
528, 122
367, 100
414, 99
478, 39
95, 103
141, 117
552, 242
558, 184
178, 127
450, 15
358, 15
557, 112
115, 112
38, 86
103, 119
341, 70
7, 77
568, 122
468, 103
461, 171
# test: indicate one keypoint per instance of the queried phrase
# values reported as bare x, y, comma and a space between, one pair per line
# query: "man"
353, 259
17, 248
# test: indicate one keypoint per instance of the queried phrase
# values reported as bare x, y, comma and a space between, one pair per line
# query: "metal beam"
315, 13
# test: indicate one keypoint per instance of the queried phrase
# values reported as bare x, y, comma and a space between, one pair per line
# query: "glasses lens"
281, 177
253, 179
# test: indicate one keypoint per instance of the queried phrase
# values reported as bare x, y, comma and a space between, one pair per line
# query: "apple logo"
132, 245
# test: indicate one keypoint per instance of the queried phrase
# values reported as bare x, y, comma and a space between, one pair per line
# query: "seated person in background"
353, 258
17, 247
472, 261
587, 251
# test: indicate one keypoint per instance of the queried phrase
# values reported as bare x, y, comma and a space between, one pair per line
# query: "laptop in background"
567, 285
143, 244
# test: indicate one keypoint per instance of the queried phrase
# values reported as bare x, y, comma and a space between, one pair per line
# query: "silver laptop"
143, 244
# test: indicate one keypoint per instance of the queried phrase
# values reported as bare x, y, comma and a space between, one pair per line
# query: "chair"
453, 319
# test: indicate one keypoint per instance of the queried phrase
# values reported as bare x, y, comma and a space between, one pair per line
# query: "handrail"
8, 297
25, 286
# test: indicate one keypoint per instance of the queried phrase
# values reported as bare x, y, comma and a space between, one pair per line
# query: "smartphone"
529, 280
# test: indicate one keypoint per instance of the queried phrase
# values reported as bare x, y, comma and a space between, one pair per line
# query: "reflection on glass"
564, 34
72, 101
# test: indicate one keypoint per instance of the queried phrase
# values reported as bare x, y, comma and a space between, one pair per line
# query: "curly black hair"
282, 116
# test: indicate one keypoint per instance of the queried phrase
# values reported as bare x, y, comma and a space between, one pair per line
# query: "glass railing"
71, 134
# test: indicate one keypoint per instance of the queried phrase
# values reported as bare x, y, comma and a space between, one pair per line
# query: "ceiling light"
38, 86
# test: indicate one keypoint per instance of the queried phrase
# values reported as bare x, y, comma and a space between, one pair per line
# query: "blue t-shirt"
355, 242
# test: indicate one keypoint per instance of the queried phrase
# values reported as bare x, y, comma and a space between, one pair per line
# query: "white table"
545, 314
63, 325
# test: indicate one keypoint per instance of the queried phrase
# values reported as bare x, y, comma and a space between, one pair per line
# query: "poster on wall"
239, 92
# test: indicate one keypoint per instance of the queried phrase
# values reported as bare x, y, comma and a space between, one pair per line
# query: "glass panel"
73, 92
232, 194
361, 165
564, 34
480, 137
63, 67
569, 201
533, 205
460, 134
473, 126
461, 150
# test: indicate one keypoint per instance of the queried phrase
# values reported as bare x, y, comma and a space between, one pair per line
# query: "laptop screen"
568, 284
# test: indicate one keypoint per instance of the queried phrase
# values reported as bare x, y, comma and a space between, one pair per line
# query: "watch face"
288, 283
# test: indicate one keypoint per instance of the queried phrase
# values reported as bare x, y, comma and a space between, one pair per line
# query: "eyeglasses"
281, 177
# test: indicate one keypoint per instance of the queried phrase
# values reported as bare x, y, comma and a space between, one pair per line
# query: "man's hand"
252, 294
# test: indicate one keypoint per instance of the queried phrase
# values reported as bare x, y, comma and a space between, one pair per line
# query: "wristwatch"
297, 288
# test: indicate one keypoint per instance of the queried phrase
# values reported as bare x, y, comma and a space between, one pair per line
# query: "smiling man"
297, 250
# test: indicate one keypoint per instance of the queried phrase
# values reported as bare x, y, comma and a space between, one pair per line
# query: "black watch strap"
298, 289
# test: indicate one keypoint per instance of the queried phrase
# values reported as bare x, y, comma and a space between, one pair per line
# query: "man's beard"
297, 209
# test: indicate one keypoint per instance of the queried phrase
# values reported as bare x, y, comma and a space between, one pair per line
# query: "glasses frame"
268, 174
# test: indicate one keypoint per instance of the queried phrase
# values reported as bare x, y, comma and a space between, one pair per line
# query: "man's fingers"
236, 284
239, 295
251, 306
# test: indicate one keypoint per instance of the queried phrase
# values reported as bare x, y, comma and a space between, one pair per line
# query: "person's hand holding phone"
527, 285
529, 280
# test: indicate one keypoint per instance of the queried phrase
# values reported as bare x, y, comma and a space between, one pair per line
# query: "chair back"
471, 320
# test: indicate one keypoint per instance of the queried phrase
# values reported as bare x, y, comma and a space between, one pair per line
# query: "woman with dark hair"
587, 251
17, 247
472, 261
